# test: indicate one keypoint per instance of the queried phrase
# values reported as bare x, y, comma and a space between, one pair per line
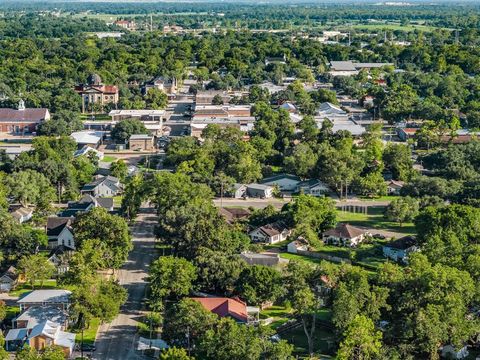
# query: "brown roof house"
95, 94
229, 307
270, 233
345, 235
22, 120
394, 187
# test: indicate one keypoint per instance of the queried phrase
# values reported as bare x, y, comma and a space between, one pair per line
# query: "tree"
302, 160
156, 99
110, 229
124, 129
48, 353
133, 195
4, 355
217, 272
3, 314
171, 277
361, 340
258, 284
402, 210
185, 322
372, 185
36, 268
398, 160
174, 353
30, 187
217, 100
96, 298
316, 213
229, 340
119, 169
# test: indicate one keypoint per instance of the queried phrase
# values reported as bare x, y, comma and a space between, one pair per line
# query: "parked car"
379, 236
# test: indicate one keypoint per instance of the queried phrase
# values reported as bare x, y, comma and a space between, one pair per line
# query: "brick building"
96, 93
22, 120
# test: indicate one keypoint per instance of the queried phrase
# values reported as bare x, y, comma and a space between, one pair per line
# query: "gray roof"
258, 186
16, 335
46, 296
141, 137
342, 66
37, 314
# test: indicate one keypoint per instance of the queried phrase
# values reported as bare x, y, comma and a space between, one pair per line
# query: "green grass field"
89, 334
375, 219
280, 315
109, 159
24, 288
324, 338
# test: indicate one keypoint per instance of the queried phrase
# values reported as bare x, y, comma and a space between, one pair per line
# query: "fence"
317, 255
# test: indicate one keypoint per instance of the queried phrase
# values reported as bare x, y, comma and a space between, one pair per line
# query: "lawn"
324, 341
12, 311
109, 159
25, 288
280, 315
296, 257
375, 219
98, 117
89, 334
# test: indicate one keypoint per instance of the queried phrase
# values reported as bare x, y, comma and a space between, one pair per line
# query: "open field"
374, 219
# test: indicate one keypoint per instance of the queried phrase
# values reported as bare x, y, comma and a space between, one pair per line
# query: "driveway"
117, 340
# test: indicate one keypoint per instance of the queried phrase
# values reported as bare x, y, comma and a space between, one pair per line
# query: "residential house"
86, 150
60, 257
394, 187
35, 315
59, 232
104, 186
21, 214
452, 352
95, 94
58, 297
262, 259
331, 112
44, 334
237, 191
285, 182
345, 235
229, 307
276, 60
398, 250
8, 280
22, 120
259, 191
289, 107
232, 215
406, 133
126, 24
270, 233
296, 245
313, 187
141, 142
86, 203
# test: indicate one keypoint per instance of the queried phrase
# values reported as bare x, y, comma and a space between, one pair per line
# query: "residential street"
117, 340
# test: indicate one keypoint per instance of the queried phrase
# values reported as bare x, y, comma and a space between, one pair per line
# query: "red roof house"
224, 307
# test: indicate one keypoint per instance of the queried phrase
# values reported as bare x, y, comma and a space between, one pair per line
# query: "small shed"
141, 142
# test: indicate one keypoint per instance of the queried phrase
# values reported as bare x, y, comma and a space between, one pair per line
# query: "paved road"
278, 203
116, 341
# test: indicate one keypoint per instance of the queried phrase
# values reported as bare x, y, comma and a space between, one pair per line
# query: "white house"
237, 191
345, 235
313, 187
22, 214
104, 186
398, 250
296, 245
9, 279
394, 187
285, 182
85, 150
259, 191
331, 112
59, 232
270, 233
